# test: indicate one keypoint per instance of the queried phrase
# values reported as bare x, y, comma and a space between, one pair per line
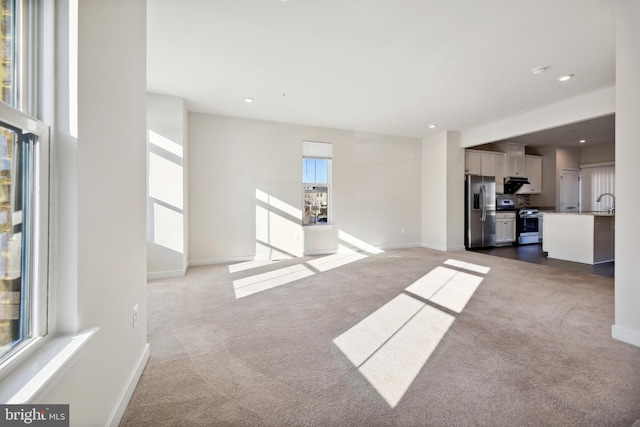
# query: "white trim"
312, 227
39, 371
213, 261
597, 165
435, 247
400, 246
626, 335
118, 410
315, 253
167, 274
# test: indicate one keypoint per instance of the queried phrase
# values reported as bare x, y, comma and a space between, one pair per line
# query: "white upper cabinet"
492, 164
487, 163
472, 162
515, 160
533, 171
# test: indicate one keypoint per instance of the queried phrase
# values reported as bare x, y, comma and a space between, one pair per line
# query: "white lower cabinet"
505, 228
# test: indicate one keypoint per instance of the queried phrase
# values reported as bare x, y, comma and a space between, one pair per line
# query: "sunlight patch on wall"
165, 143
278, 228
167, 228
165, 181
278, 204
357, 243
261, 282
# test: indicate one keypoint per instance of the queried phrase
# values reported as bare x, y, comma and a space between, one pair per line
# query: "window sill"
33, 375
318, 227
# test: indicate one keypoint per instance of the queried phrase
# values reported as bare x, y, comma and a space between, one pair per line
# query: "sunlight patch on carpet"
448, 288
468, 266
248, 265
366, 337
262, 282
392, 344
343, 257
392, 369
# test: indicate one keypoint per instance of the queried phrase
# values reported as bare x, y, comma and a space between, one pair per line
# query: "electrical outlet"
135, 316
402, 231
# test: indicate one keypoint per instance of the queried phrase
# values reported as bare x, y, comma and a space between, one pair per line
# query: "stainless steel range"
528, 226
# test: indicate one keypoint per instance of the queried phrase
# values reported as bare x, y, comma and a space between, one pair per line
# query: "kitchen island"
586, 237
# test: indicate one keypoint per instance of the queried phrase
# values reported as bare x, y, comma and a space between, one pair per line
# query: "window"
24, 184
316, 183
597, 179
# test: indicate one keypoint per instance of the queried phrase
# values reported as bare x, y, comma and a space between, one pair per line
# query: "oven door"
529, 224
528, 229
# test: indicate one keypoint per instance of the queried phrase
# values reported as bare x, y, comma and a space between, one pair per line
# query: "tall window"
316, 182
24, 188
595, 181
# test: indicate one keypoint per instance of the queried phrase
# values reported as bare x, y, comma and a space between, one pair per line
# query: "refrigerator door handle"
483, 203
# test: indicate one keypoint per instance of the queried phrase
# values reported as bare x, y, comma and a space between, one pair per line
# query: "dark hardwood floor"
534, 254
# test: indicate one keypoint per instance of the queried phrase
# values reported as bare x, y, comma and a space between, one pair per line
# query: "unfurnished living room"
261, 213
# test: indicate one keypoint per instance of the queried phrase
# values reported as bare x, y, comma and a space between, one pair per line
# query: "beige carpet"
531, 347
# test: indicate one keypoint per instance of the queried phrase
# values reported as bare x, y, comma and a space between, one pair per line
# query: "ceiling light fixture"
433, 126
565, 78
540, 70
248, 100
582, 141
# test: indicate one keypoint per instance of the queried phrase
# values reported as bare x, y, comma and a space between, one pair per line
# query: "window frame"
312, 150
38, 270
32, 97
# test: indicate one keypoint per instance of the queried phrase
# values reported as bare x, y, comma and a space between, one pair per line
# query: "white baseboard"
118, 411
401, 246
455, 248
434, 247
155, 275
626, 335
315, 253
214, 261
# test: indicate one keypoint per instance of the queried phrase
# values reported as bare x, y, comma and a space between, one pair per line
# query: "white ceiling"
381, 66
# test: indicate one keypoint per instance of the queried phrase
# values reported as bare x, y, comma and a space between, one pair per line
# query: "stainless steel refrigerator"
480, 211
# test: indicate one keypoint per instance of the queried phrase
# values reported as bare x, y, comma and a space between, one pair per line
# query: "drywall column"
442, 192
110, 176
167, 216
627, 287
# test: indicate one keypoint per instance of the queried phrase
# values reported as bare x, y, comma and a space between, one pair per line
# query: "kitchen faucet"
613, 208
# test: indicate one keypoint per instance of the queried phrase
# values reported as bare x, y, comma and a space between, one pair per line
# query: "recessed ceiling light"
565, 78
433, 126
582, 141
540, 70
248, 100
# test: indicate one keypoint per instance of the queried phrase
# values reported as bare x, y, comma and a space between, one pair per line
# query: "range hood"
513, 184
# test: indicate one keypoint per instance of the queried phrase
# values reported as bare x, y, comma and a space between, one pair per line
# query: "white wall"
597, 153
589, 106
434, 192
376, 187
547, 199
627, 297
443, 192
566, 158
167, 186
109, 239
455, 192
